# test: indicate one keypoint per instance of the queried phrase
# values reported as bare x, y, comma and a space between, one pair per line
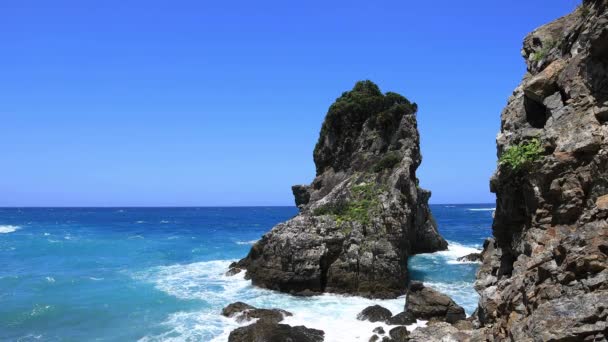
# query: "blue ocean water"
157, 274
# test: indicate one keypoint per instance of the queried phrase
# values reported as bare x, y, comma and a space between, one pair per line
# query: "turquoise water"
157, 274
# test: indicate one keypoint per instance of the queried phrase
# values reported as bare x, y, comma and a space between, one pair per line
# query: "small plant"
584, 10
388, 161
543, 52
520, 156
363, 204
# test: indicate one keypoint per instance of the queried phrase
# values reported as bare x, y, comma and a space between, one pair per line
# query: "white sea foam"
50, 279
164, 221
95, 279
455, 251
206, 281
481, 209
250, 242
5, 229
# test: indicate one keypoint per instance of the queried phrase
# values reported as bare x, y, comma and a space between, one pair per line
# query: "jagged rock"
363, 215
374, 338
399, 334
543, 275
244, 312
273, 332
473, 257
403, 318
375, 313
425, 303
440, 331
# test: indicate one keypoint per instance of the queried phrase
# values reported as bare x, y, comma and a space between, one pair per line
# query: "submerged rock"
473, 257
425, 303
363, 215
272, 332
374, 313
544, 275
243, 312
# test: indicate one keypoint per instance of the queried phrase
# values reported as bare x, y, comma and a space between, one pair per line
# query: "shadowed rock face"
363, 214
544, 274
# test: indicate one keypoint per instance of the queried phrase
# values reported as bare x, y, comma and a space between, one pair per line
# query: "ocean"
157, 274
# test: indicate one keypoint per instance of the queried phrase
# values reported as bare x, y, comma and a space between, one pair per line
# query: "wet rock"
403, 318
236, 308
399, 334
379, 330
363, 215
473, 257
244, 312
374, 338
273, 332
425, 303
375, 313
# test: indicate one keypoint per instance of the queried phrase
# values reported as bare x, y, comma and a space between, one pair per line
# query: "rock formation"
544, 275
426, 304
363, 214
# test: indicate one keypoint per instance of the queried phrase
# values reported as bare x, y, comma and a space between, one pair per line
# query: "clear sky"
117, 102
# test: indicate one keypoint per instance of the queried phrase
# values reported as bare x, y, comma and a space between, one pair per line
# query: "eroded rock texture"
363, 214
544, 275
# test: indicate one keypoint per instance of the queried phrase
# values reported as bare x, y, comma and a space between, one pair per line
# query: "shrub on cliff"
363, 105
519, 156
388, 161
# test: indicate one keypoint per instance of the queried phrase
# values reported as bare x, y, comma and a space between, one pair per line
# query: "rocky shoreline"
544, 273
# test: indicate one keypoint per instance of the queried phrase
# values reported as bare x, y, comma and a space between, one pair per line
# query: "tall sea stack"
544, 275
363, 214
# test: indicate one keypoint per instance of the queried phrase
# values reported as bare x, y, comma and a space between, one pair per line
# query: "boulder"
403, 318
425, 303
399, 334
244, 312
364, 213
375, 313
473, 257
273, 332
379, 331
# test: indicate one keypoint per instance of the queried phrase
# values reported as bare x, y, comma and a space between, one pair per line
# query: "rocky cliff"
363, 214
544, 275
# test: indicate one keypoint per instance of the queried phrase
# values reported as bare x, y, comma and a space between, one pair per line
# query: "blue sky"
220, 103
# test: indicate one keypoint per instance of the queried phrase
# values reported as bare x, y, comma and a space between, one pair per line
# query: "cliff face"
363, 214
544, 275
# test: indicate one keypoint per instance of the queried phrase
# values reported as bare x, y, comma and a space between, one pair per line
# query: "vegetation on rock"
388, 161
521, 155
363, 203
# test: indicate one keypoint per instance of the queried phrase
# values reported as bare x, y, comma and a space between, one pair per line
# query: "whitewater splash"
250, 242
206, 281
5, 229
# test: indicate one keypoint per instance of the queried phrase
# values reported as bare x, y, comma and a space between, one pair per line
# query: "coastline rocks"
473, 257
375, 313
243, 312
544, 274
272, 332
425, 303
364, 213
